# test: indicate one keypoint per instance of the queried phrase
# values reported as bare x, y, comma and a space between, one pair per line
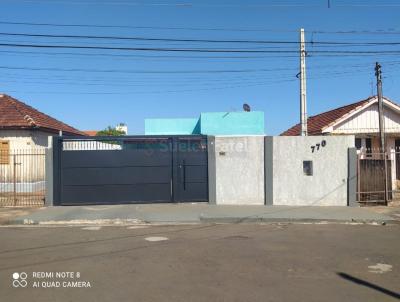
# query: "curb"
205, 220
295, 220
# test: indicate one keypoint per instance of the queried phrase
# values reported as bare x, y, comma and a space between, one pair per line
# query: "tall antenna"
303, 85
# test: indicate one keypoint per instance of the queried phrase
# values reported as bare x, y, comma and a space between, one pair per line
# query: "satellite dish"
246, 107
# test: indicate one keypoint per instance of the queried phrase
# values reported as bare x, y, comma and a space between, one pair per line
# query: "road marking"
380, 268
98, 208
92, 228
154, 239
137, 227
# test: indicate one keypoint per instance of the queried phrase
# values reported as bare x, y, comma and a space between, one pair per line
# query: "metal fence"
378, 176
91, 144
116, 143
22, 177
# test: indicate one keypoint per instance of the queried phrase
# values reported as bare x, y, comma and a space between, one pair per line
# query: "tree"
110, 131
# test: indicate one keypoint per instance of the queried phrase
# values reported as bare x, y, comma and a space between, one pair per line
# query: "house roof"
317, 123
15, 114
90, 132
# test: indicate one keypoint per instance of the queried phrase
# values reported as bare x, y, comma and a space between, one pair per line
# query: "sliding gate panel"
106, 170
136, 171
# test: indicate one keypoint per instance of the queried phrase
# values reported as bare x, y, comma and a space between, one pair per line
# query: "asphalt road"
235, 262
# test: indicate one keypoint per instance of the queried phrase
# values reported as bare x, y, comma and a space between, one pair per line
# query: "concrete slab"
197, 213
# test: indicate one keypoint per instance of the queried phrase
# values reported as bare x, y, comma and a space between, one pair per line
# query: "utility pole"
303, 85
378, 74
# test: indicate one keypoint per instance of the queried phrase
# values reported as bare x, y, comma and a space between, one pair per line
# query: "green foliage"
110, 131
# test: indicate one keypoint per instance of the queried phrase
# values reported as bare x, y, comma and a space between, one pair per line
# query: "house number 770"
317, 146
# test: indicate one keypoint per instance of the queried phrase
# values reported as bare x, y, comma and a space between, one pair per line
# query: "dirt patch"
8, 214
392, 210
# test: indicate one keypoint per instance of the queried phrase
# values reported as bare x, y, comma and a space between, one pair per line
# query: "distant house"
23, 127
90, 132
24, 134
120, 127
360, 119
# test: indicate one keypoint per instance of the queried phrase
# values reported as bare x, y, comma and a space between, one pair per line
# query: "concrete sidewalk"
197, 213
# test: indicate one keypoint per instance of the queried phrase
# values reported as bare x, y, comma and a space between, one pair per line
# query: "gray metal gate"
130, 169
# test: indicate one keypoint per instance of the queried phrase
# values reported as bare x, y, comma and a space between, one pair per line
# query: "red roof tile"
90, 132
15, 114
317, 123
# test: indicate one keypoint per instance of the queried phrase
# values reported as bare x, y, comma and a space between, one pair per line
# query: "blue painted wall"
210, 123
232, 123
172, 126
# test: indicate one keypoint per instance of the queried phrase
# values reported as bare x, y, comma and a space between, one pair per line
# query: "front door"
191, 171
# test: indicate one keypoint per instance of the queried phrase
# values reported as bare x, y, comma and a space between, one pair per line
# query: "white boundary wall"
236, 170
286, 182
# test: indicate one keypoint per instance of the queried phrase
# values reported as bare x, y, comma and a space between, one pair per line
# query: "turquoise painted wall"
210, 123
171, 126
232, 123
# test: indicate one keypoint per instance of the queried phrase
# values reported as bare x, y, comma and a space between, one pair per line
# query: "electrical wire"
65, 36
194, 50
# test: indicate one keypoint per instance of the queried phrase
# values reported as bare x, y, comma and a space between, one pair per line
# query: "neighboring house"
23, 127
90, 132
362, 120
209, 123
24, 133
122, 127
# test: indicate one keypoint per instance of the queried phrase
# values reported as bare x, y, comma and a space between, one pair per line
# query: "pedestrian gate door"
116, 170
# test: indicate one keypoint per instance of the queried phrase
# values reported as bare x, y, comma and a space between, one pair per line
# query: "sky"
236, 61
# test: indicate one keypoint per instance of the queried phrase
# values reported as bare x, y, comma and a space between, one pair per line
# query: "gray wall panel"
116, 175
107, 194
119, 158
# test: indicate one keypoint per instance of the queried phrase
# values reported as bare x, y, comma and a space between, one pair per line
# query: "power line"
178, 4
180, 57
91, 55
211, 5
145, 27
249, 84
194, 50
358, 32
232, 29
192, 40
150, 92
330, 72
143, 71
153, 49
